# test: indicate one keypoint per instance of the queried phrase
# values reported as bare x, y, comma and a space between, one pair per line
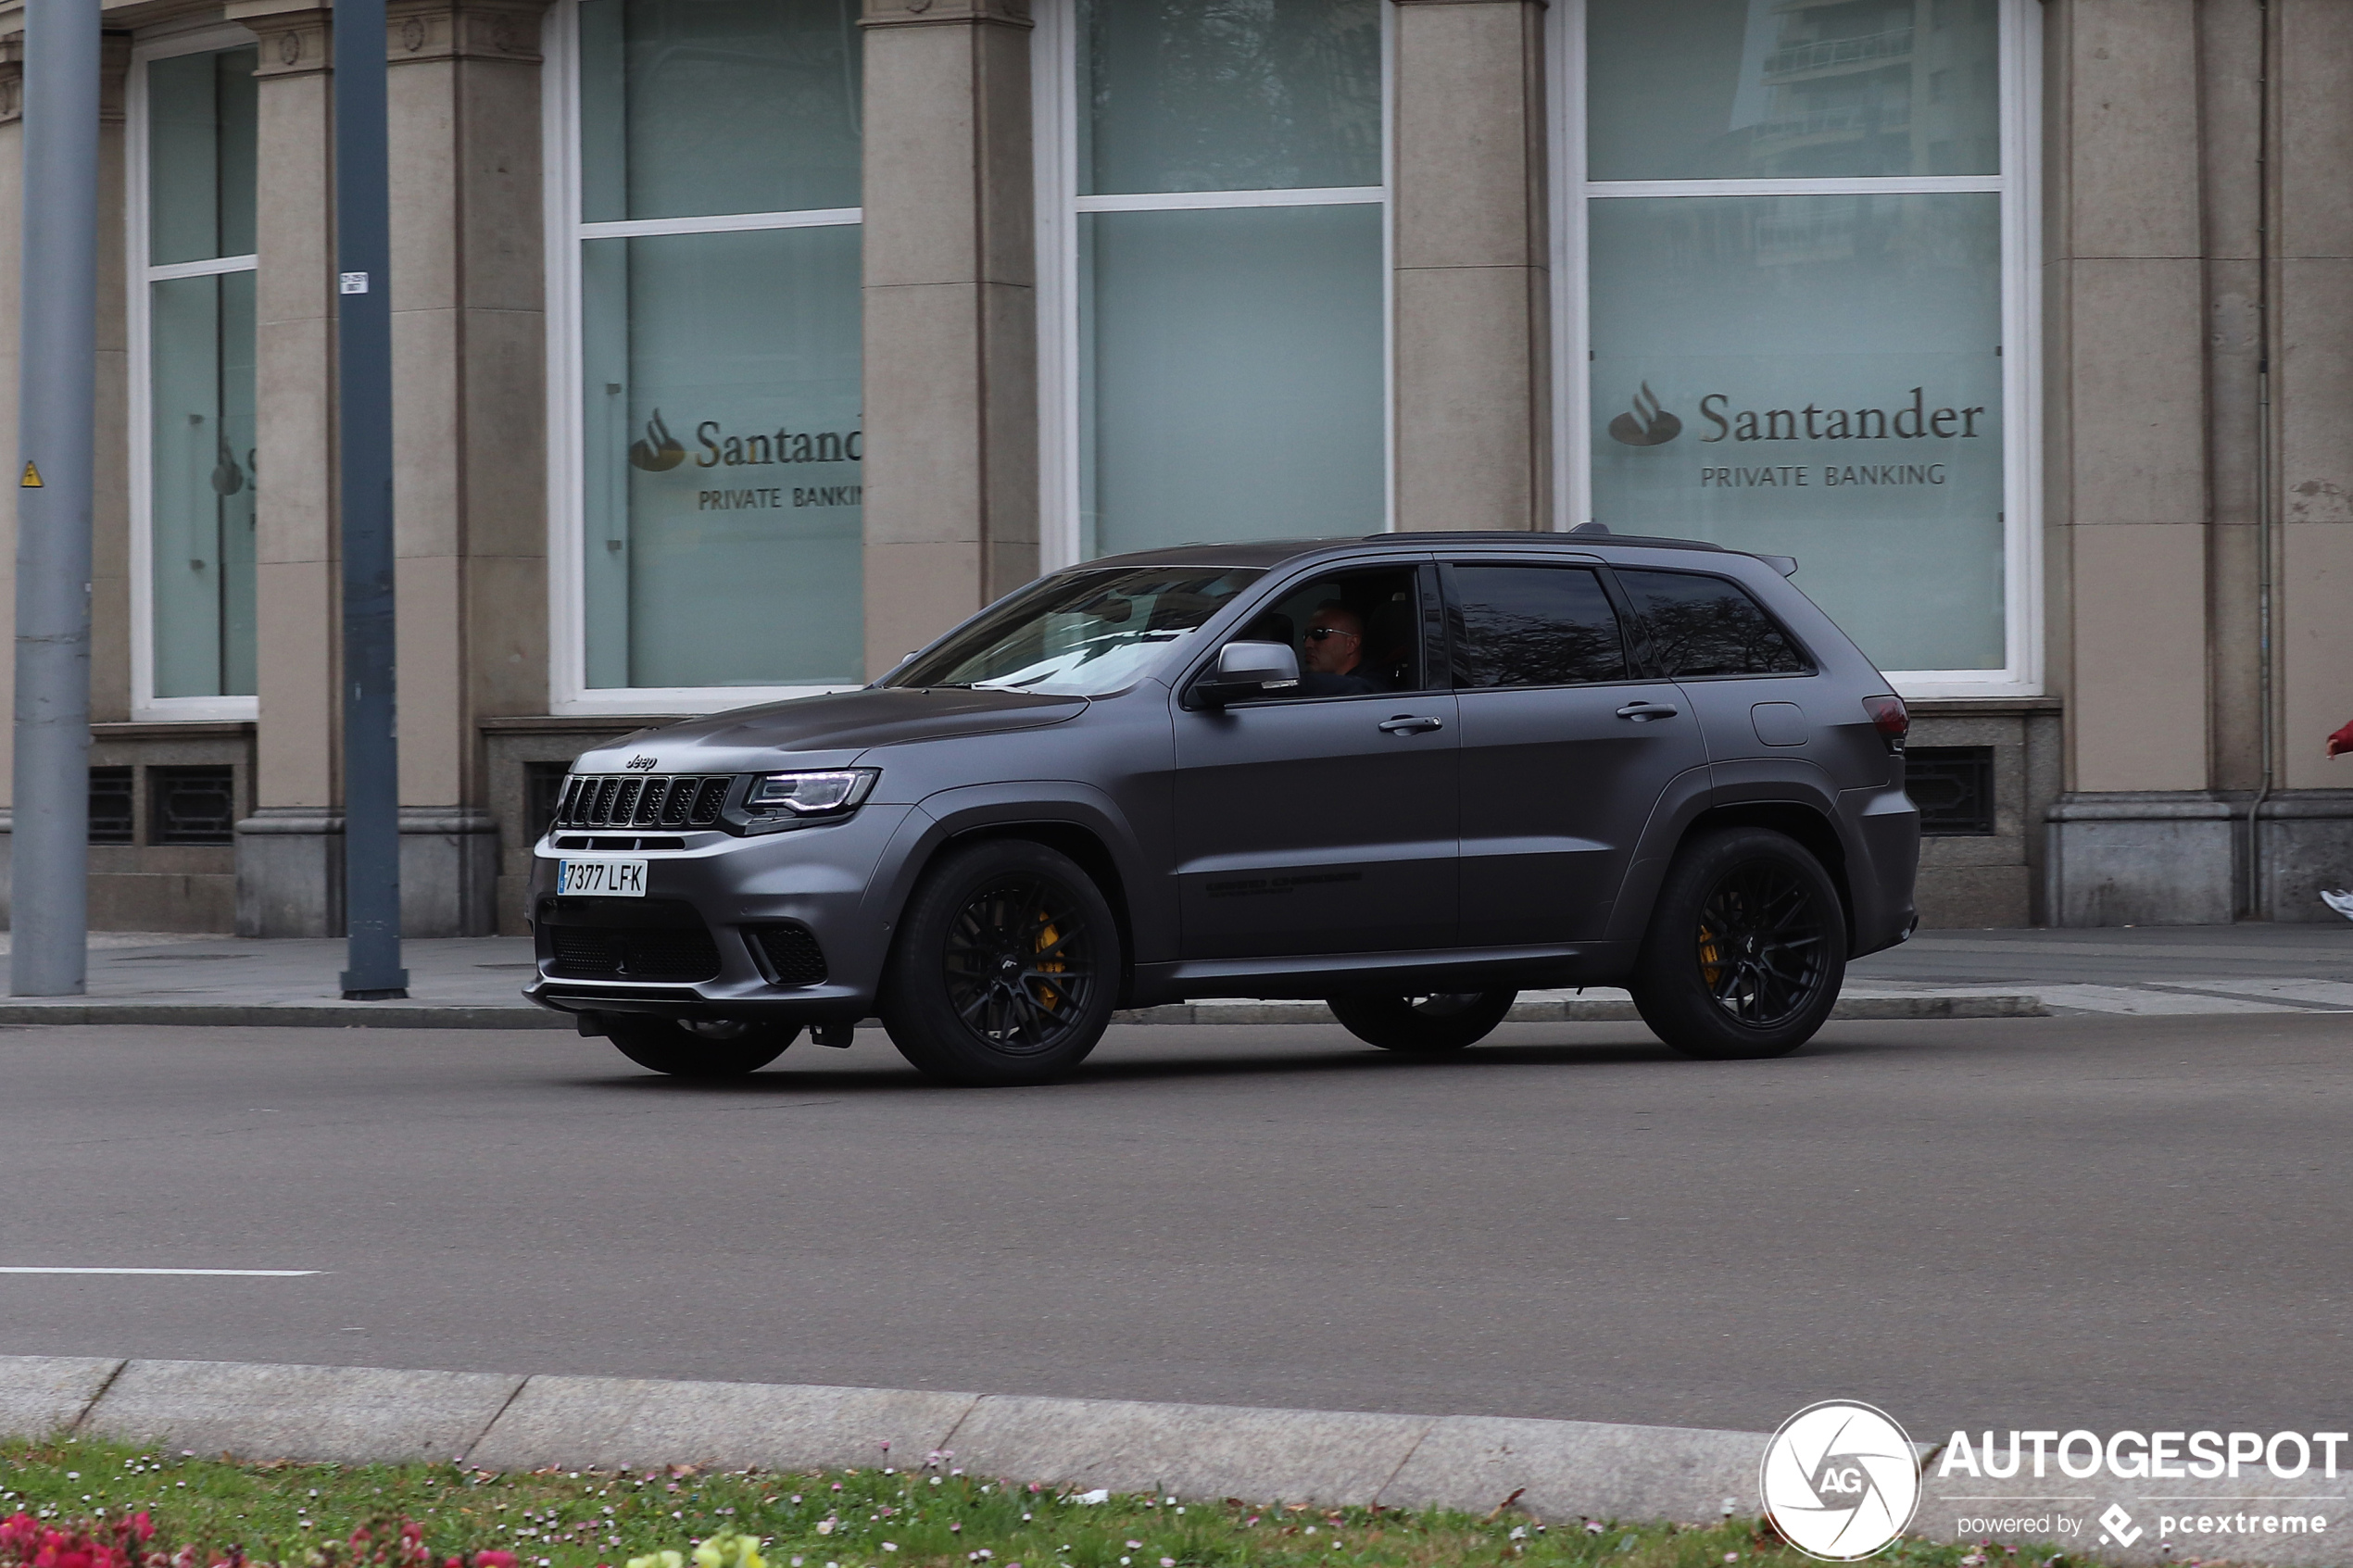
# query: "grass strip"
214, 1510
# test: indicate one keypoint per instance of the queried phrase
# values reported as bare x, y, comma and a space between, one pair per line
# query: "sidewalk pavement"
474, 982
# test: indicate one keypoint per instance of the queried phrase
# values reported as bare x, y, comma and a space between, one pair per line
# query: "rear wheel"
699, 1048
1422, 1025
1746, 948
1006, 967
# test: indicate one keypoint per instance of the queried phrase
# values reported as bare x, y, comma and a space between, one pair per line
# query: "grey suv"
1409, 774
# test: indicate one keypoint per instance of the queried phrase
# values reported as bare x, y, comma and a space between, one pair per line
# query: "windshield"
1079, 633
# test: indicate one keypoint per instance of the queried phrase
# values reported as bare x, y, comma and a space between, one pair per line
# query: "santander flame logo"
1647, 425
660, 450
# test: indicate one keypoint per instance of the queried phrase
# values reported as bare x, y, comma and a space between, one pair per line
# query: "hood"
838, 722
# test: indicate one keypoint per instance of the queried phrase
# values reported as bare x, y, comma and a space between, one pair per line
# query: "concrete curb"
1562, 1470
520, 1015
295, 1015
361, 1414
1597, 1009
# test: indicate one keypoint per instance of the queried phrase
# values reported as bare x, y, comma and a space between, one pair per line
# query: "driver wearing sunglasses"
1330, 652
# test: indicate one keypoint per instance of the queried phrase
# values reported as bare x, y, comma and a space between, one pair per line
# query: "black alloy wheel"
1006, 967
696, 1048
1746, 949
1422, 1026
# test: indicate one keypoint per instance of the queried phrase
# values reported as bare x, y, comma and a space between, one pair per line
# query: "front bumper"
703, 942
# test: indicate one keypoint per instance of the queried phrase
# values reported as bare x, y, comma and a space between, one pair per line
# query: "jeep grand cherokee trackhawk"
1407, 774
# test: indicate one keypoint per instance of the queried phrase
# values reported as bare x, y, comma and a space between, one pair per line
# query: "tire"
1422, 1025
698, 1049
1006, 967
1746, 948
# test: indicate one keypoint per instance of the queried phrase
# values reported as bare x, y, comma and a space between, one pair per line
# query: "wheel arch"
1809, 827
1079, 828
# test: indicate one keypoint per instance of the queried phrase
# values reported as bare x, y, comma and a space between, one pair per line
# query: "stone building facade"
742, 345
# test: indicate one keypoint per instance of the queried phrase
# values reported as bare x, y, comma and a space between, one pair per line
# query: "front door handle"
1643, 713
1410, 725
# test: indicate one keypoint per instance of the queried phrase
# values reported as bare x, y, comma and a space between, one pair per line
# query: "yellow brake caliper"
1049, 996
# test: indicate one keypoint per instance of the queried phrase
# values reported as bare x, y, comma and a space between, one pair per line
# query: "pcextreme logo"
1839, 1480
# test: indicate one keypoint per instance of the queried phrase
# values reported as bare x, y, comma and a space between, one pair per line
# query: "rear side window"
1533, 626
1709, 626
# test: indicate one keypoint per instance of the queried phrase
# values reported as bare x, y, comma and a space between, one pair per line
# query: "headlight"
830, 794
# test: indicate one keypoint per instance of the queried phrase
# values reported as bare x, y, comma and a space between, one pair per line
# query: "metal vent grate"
790, 954
111, 808
193, 804
621, 800
1953, 786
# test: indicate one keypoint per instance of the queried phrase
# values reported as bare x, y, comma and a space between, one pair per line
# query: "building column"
470, 431
2306, 832
290, 851
2141, 836
950, 317
1472, 248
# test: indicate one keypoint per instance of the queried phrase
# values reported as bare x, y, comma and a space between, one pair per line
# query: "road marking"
239, 1273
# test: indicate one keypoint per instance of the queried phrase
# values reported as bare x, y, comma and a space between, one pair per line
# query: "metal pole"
56, 401
363, 367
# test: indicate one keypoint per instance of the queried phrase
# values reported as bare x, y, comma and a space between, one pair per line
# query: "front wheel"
1746, 948
1006, 969
1422, 1025
699, 1048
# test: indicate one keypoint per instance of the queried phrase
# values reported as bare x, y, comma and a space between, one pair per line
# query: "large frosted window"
1831, 360
719, 366
1805, 355
1224, 271
1733, 89
198, 327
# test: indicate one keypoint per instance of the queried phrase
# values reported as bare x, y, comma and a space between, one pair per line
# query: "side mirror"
1249, 670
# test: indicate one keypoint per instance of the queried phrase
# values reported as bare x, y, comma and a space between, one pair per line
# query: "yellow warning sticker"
32, 480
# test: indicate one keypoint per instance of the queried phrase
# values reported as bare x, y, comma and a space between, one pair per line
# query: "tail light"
1890, 717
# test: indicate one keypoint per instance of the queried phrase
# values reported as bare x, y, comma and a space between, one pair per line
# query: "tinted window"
1534, 626
1709, 626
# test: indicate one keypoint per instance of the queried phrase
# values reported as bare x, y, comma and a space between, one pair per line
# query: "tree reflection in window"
1702, 625
1535, 626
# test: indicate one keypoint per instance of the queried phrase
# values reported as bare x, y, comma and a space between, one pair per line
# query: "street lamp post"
49, 871
363, 367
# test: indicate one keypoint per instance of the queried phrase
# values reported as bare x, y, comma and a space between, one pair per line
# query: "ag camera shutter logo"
1839, 1480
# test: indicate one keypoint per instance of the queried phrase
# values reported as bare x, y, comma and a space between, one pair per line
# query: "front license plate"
601, 879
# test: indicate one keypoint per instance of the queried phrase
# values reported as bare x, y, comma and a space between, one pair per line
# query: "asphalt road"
2105, 1222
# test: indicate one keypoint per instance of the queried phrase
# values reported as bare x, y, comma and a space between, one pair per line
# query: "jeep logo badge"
640, 764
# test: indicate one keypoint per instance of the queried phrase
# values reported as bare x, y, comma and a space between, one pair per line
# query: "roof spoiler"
1785, 565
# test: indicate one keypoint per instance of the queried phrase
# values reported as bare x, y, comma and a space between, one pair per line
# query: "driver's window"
1358, 634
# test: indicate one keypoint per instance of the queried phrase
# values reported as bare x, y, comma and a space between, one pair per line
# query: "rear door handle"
1410, 725
1643, 713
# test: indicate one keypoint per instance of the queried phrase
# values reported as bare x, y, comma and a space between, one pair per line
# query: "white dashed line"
238, 1274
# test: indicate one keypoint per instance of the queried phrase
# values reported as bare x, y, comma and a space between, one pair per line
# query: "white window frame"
144, 704
2020, 187
567, 688
1054, 119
